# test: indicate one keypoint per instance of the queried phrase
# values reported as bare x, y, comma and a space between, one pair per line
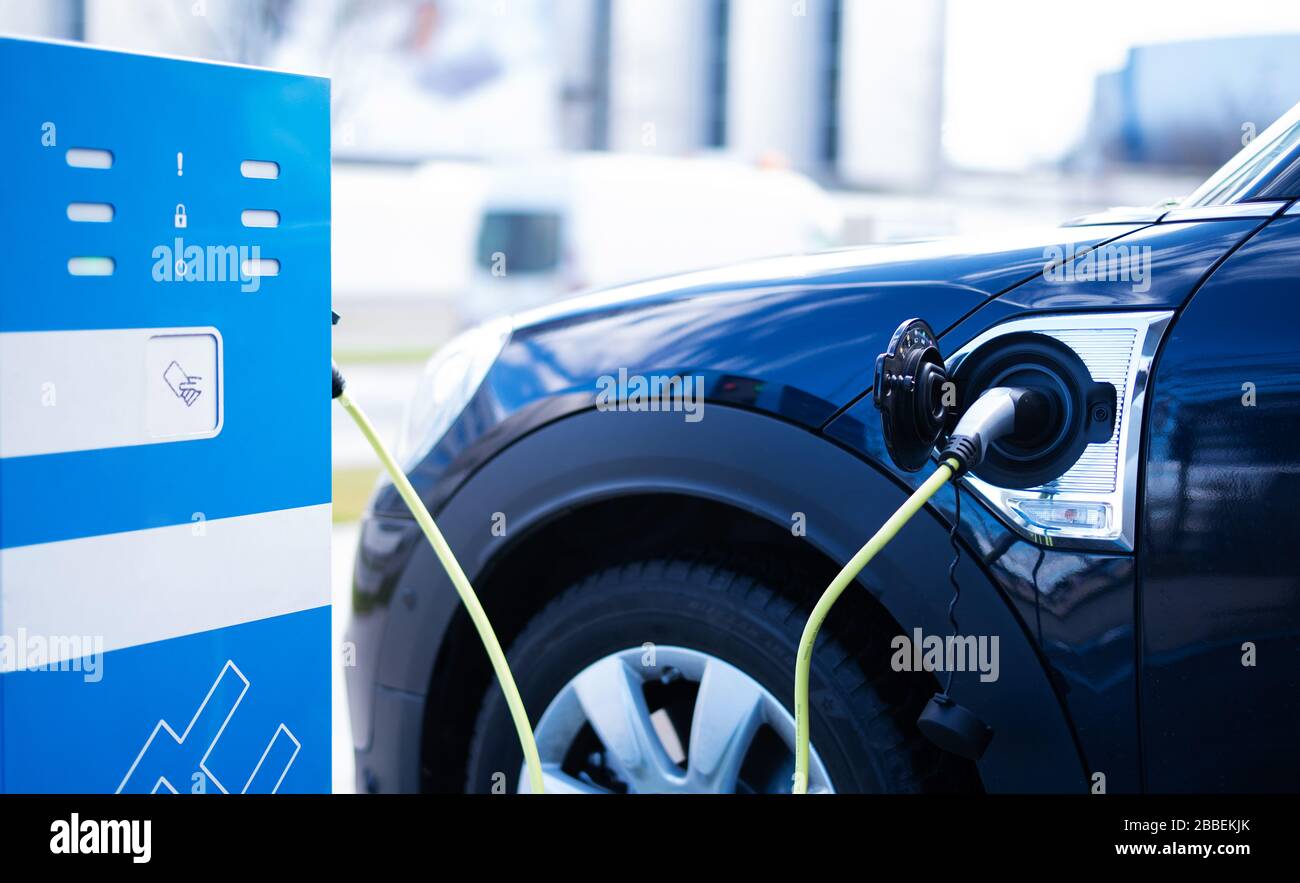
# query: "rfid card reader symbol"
182, 383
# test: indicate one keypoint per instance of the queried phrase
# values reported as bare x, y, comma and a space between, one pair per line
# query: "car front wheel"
675, 676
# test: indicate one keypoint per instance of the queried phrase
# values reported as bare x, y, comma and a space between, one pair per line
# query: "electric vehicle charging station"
164, 429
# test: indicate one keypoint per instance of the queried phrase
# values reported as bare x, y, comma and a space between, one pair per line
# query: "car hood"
795, 336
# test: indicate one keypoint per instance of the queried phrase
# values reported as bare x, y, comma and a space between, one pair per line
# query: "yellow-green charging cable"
803, 662
463, 588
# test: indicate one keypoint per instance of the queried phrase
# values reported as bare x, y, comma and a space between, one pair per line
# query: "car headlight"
1094, 504
450, 379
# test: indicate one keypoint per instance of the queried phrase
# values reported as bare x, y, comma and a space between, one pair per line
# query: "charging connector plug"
1000, 412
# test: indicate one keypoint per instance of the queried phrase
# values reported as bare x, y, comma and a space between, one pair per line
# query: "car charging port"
1065, 411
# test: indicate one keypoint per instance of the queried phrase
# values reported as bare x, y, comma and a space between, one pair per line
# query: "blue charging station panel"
164, 425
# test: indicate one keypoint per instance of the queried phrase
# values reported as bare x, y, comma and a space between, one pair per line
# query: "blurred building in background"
467, 129
809, 84
850, 92
1190, 103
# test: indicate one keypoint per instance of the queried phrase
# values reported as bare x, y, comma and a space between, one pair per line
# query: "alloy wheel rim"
667, 719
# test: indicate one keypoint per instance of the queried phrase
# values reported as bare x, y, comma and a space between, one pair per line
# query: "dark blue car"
650, 487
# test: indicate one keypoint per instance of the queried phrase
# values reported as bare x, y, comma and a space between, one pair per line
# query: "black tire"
863, 728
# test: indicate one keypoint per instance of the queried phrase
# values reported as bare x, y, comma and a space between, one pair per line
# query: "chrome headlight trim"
1098, 339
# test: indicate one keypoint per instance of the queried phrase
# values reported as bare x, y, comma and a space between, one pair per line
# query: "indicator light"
1062, 514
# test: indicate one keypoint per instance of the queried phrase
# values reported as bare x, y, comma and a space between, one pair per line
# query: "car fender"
771, 468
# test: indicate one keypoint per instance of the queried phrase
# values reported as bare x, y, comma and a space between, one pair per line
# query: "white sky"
1019, 73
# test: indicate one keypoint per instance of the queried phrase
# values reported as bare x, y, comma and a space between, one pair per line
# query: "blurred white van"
550, 228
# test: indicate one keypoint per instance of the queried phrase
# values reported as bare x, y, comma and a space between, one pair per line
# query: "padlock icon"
181, 219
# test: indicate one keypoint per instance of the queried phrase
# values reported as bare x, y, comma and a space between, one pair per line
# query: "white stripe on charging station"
138, 587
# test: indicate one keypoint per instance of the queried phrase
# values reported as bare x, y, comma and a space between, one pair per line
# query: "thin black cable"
952, 575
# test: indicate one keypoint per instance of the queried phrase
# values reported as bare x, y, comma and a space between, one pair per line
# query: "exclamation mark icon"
180, 164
